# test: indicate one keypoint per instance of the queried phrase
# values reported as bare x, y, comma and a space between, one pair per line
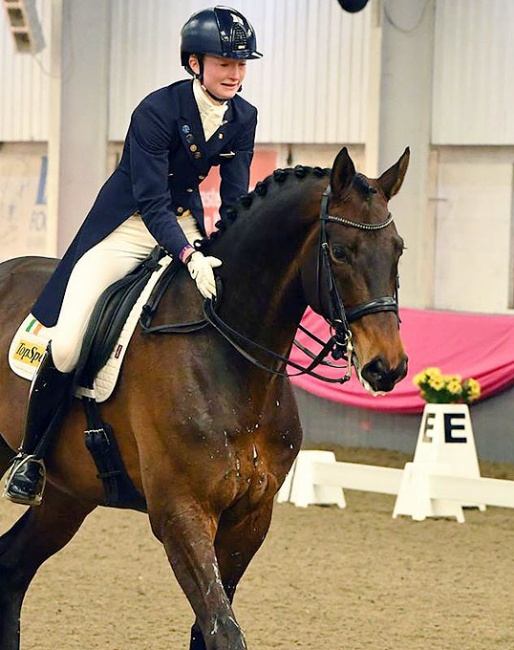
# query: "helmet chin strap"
211, 95
199, 76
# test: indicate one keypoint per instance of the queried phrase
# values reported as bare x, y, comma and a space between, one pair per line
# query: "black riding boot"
48, 399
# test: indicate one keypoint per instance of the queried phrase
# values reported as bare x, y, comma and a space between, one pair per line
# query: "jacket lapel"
220, 137
191, 129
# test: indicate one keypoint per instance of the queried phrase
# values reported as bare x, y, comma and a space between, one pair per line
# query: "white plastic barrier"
443, 478
354, 476
303, 488
316, 478
492, 491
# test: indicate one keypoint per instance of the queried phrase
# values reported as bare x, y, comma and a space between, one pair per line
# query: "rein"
339, 345
234, 337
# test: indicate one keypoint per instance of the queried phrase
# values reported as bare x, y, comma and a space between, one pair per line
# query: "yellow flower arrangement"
437, 388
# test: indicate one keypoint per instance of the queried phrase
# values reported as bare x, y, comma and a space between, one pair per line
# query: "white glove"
200, 269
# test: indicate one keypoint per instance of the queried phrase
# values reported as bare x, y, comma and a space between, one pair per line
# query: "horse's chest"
259, 468
255, 478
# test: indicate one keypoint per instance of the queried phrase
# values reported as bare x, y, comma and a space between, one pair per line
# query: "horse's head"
350, 272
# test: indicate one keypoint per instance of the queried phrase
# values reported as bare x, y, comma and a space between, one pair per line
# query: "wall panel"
24, 84
310, 86
473, 215
473, 73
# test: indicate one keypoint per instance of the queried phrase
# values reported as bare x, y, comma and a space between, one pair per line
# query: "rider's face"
221, 76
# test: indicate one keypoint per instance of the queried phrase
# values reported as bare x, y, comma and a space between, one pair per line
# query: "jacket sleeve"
235, 173
149, 140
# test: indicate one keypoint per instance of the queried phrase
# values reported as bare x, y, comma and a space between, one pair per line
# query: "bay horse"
206, 433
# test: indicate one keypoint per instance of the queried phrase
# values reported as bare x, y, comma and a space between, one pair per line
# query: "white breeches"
110, 260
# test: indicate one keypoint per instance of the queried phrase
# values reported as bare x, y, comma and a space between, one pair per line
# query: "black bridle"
339, 344
338, 317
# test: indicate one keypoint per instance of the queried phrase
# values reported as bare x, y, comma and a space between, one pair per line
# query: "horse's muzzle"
380, 376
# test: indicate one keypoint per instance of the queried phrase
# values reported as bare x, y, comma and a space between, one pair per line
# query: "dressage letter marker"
446, 447
450, 426
428, 427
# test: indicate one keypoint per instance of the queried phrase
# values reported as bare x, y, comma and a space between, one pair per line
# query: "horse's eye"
340, 254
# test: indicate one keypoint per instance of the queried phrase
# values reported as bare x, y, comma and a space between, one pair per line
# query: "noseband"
337, 316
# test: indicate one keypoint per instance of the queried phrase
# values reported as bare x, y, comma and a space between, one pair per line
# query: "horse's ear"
343, 172
392, 179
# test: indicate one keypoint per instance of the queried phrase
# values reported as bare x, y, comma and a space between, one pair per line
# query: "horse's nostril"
375, 368
381, 376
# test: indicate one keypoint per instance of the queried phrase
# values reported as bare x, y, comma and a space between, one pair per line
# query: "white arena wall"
473, 208
309, 106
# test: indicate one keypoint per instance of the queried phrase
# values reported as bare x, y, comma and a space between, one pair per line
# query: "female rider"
175, 136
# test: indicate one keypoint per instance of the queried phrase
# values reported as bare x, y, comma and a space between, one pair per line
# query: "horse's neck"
263, 296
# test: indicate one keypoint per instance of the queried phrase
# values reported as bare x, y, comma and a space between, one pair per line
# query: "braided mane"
277, 178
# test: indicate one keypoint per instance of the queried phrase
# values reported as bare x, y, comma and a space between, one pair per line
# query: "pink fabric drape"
472, 345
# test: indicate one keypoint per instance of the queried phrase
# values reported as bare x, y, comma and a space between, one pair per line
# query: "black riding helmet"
221, 31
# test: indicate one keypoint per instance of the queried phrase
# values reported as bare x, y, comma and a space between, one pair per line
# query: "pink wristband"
186, 253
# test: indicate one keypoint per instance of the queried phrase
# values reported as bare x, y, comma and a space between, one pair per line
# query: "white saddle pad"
30, 341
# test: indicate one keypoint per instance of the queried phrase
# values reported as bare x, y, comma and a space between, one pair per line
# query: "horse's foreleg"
10, 597
238, 539
188, 534
6, 455
37, 535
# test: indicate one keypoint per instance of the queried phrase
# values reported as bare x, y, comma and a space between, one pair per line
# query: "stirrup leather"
18, 462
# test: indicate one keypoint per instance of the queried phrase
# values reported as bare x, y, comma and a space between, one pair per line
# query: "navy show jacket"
165, 158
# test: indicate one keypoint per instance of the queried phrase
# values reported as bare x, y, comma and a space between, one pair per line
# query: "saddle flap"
118, 306
31, 339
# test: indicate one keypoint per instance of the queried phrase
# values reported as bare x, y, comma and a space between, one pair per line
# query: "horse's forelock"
362, 185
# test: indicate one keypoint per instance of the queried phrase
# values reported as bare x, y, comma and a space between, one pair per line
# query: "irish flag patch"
28, 346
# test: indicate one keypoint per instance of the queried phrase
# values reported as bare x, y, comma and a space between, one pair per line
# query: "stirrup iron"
18, 462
